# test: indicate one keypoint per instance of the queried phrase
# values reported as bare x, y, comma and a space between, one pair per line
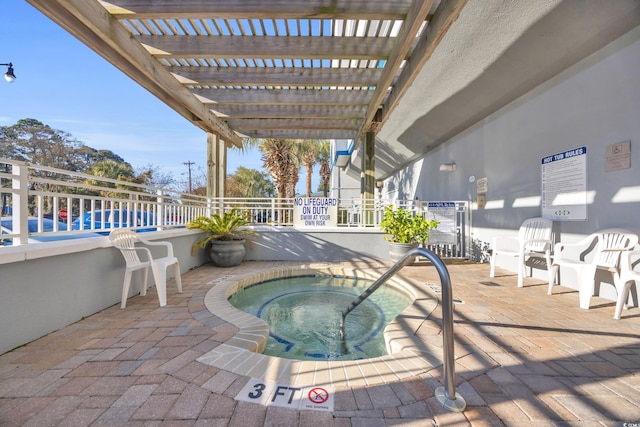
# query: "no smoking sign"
318, 395
268, 393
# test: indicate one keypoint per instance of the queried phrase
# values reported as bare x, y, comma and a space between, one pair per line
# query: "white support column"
367, 179
212, 146
216, 166
222, 167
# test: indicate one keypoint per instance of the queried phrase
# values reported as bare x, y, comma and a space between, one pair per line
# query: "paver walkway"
523, 358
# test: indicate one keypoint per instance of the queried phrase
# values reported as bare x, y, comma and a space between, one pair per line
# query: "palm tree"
293, 176
249, 183
278, 159
325, 171
112, 170
307, 151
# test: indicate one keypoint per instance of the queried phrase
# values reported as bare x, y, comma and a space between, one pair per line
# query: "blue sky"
64, 84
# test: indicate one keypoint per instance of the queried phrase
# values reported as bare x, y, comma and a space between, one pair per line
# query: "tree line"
32, 141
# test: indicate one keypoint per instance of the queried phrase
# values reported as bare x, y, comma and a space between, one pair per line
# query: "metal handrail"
446, 395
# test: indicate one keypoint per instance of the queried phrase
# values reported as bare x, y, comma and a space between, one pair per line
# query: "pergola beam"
442, 20
287, 9
268, 47
237, 76
300, 124
301, 134
269, 111
414, 20
284, 97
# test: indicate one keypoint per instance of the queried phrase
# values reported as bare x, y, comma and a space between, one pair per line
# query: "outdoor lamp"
9, 76
447, 167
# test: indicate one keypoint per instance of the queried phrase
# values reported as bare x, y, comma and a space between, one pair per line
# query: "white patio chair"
626, 281
535, 240
606, 245
125, 240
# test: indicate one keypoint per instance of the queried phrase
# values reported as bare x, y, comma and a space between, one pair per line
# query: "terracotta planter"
227, 253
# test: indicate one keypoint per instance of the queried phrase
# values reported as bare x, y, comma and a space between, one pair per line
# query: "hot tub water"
303, 314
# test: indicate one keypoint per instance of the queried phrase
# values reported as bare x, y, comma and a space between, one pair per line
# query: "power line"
188, 165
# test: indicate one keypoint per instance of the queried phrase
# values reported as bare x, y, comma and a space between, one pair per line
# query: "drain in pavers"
435, 288
438, 290
219, 279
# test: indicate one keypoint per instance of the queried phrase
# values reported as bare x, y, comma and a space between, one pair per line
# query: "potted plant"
404, 230
225, 237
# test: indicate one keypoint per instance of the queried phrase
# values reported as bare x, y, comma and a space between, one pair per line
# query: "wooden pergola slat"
285, 97
268, 47
269, 111
260, 9
213, 76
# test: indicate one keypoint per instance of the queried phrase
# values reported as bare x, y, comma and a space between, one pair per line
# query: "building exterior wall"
343, 186
338, 244
594, 104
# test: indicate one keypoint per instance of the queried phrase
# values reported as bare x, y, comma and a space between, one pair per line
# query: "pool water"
303, 314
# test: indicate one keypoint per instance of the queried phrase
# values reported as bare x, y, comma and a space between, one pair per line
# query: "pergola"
299, 69
402, 76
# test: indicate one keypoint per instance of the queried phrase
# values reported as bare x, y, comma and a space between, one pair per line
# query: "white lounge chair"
606, 245
627, 279
125, 240
535, 240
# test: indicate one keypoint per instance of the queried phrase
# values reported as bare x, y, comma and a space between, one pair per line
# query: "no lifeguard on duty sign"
315, 398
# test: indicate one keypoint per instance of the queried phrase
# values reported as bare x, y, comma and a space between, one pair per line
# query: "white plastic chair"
125, 240
535, 240
627, 279
609, 244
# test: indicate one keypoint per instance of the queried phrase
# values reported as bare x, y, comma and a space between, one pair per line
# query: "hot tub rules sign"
315, 212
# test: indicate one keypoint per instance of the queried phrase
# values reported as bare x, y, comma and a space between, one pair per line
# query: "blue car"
108, 219
6, 226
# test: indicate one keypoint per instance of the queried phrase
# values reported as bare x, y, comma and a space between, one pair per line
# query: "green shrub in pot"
405, 230
225, 235
403, 226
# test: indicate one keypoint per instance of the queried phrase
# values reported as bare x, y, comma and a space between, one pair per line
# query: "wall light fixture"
447, 167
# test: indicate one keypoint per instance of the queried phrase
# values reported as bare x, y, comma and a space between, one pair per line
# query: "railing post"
159, 211
209, 206
273, 211
20, 203
446, 395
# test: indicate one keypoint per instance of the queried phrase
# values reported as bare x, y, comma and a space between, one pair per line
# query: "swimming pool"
303, 314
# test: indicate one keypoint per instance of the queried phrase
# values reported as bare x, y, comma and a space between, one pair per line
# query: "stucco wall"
594, 104
338, 244
58, 283
47, 286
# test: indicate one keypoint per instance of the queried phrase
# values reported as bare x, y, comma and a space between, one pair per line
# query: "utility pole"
188, 165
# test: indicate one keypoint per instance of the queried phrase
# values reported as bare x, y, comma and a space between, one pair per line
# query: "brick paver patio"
522, 358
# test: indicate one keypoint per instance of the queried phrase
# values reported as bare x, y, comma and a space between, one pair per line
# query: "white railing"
38, 201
